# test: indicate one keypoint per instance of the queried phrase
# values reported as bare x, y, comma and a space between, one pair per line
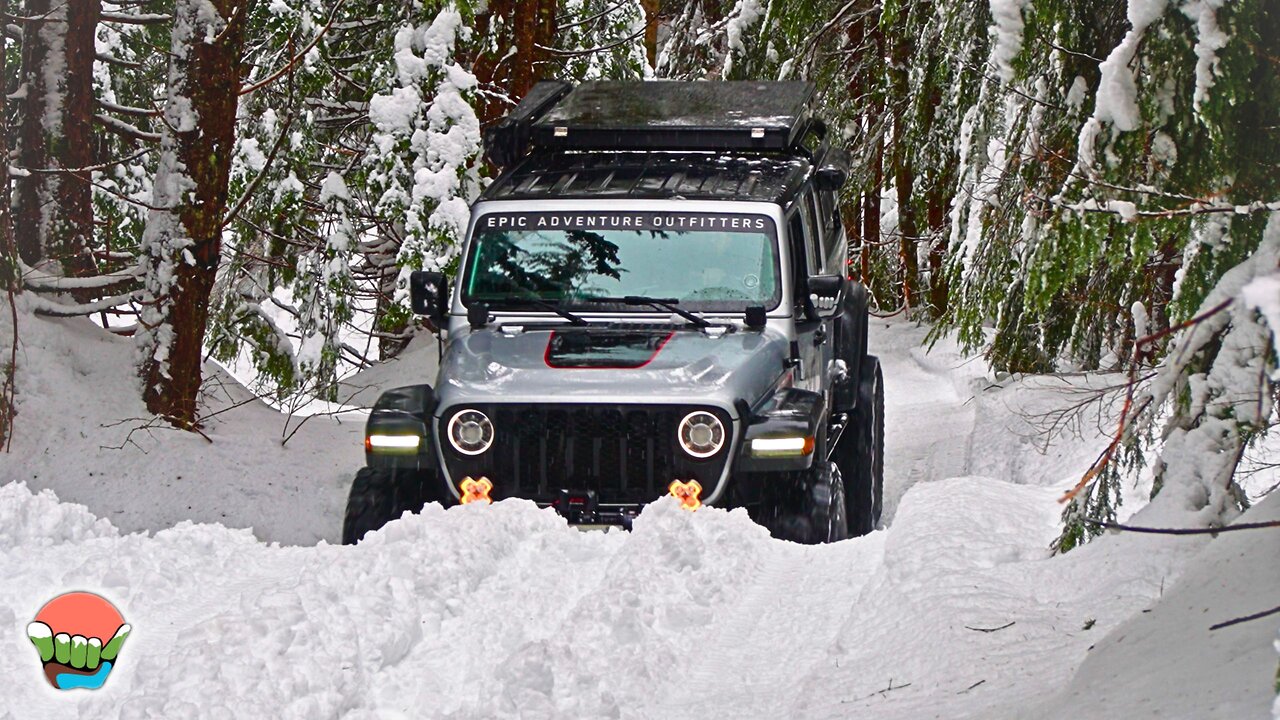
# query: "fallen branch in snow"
1246, 618
881, 693
971, 687
1181, 531
1010, 624
156, 422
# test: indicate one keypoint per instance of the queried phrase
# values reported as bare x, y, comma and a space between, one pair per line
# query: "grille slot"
624, 453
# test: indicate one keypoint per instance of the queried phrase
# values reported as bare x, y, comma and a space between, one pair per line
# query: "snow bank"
28, 519
473, 612
83, 432
1170, 662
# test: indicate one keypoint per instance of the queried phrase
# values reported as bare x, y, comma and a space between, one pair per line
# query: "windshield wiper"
573, 319
668, 304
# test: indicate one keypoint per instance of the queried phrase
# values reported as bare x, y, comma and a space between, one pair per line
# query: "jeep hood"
616, 364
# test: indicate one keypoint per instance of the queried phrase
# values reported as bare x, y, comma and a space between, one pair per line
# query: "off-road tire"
807, 507
861, 452
380, 495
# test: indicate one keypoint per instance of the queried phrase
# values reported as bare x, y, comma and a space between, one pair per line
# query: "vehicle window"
799, 269
707, 263
813, 250
833, 241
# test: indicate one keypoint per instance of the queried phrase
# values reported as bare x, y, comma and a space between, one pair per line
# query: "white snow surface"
955, 609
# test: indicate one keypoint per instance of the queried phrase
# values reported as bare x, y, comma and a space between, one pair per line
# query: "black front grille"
624, 453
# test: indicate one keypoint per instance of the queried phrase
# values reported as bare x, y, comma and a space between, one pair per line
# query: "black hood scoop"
605, 348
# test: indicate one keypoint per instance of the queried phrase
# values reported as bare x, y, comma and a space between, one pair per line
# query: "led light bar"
781, 447
394, 442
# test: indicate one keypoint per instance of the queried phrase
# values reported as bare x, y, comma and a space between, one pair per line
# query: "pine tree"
54, 214
183, 237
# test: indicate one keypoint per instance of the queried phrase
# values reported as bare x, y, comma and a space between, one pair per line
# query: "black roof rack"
741, 116
633, 175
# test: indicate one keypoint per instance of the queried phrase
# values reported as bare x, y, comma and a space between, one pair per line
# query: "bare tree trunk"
526, 34
875, 134
8, 261
908, 230
534, 25
903, 179
183, 238
54, 213
651, 22
76, 150
937, 216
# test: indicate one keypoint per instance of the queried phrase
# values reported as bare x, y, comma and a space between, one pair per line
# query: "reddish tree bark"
185, 239
54, 210
652, 18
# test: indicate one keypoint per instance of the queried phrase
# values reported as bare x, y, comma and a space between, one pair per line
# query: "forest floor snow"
955, 609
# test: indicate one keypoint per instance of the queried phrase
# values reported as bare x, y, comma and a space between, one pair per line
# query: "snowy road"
953, 610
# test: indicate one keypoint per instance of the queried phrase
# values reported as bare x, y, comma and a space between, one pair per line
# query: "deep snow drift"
954, 610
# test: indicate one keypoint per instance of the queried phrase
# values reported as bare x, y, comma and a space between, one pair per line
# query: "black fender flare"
850, 345
787, 413
403, 411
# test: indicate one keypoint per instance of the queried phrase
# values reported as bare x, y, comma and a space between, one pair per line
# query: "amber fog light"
470, 432
701, 434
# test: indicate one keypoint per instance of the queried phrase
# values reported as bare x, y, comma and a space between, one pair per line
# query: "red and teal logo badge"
79, 636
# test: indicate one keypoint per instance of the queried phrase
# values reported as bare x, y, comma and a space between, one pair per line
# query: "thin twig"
1246, 618
1181, 531
1009, 624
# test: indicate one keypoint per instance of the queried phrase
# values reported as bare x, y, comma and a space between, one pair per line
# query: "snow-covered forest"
1067, 216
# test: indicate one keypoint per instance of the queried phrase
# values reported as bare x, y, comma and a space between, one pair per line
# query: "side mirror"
429, 295
834, 172
826, 292
832, 178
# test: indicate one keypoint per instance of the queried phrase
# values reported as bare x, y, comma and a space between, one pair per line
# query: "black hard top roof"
634, 175
672, 115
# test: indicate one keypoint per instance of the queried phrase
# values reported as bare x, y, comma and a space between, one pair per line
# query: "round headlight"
701, 434
470, 432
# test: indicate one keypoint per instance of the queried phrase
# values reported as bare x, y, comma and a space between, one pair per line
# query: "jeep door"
809, 258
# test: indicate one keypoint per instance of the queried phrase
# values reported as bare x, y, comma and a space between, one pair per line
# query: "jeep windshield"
707, 261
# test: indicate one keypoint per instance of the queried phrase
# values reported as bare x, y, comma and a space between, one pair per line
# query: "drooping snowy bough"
1212, 396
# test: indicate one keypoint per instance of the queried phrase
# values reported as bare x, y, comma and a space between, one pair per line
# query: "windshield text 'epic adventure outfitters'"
625, 221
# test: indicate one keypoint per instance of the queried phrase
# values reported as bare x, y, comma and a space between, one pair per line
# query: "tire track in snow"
929, 419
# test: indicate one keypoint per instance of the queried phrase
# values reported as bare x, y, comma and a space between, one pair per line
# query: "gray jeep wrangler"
652, 300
